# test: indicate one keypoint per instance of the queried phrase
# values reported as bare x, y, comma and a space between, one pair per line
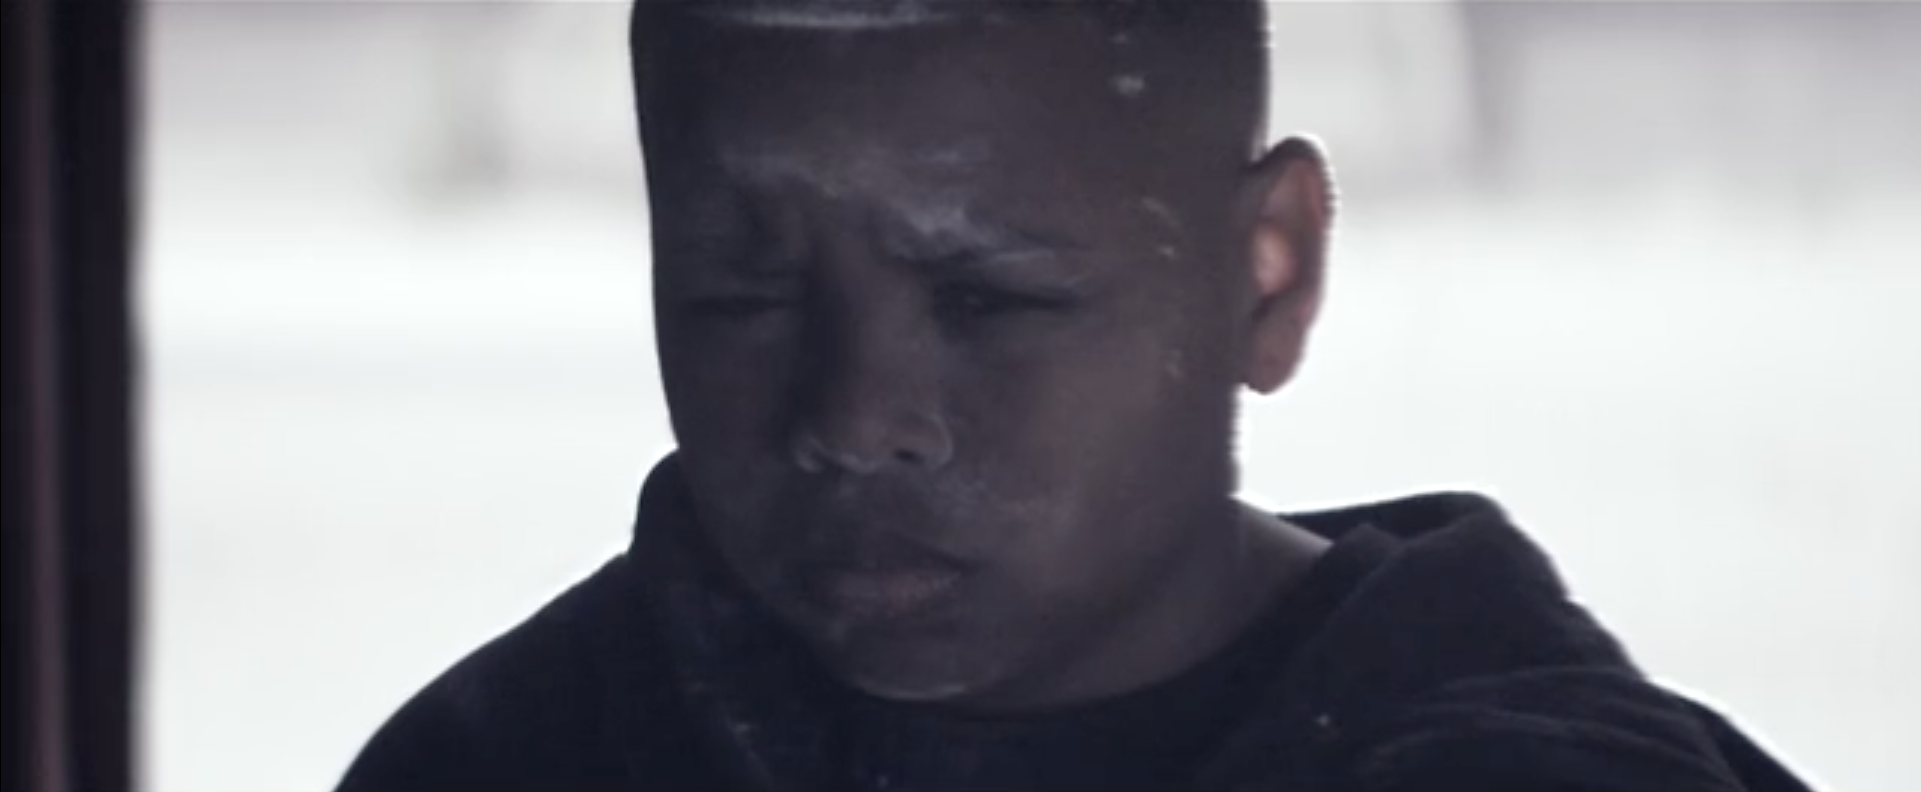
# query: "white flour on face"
914, 186
1164, 215
1174, 364
1161, 212
839, 171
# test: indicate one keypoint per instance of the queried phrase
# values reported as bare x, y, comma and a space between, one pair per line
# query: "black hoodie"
1450, 658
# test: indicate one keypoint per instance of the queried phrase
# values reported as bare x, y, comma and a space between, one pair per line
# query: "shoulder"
1445, 589
531, 708
1460, 659
1568, 728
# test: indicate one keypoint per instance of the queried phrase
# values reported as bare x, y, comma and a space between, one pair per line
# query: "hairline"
1126, 19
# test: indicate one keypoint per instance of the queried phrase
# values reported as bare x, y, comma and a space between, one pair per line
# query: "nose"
869, 410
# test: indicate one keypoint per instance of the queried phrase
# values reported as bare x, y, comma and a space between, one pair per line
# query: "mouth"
882, 582
881, 595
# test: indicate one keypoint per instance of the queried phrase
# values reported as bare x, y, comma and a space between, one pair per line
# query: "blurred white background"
1646, 271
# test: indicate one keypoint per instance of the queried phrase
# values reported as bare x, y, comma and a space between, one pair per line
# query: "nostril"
869, 449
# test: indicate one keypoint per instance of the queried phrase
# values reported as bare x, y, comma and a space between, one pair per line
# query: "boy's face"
948, 333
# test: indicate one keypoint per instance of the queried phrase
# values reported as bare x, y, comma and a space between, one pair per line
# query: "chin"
931, 672
912, 692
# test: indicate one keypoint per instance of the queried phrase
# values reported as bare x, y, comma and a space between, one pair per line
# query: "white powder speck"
1161, 212
828, 15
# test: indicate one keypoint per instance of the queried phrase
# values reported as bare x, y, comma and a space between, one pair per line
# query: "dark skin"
952, 320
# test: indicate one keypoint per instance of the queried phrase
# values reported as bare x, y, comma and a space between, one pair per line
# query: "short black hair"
1227, 36
1122, 16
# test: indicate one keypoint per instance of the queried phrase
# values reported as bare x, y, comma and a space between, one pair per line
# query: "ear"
1289, 200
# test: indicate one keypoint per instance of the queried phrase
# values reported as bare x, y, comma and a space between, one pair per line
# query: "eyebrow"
918, 219
763, 164
952, 238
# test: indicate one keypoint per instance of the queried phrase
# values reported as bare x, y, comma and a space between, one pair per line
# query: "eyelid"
736, 305
1029, 272
750, 284
734, 284
1027, 296
969, 263
1021, 254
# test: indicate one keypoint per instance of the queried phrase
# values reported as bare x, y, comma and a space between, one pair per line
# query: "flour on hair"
828, 15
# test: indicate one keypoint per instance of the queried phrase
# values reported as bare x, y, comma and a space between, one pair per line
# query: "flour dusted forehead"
835, 15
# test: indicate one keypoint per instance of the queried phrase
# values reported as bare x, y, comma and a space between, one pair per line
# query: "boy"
953, 301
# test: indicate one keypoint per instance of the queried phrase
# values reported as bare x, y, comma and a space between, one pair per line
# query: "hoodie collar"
1456, 591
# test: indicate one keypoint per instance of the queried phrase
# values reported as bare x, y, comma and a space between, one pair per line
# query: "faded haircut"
1231, 32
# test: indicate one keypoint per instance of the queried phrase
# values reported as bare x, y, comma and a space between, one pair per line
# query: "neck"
1203, 603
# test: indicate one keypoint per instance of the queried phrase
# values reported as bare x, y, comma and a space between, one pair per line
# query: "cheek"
1064, 430
1068, 403
721, 391
726, 409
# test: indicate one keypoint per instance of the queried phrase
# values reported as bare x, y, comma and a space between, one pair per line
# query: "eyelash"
974, 302
737, 306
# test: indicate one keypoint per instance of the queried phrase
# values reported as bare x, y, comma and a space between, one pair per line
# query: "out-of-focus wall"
1642, 270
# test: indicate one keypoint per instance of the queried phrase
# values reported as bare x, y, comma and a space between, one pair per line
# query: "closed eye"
974, 301
738, 306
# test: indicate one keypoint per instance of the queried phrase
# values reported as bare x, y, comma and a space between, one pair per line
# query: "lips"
884, 594
881, 579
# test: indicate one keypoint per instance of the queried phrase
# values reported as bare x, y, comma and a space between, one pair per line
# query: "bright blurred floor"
384, 427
